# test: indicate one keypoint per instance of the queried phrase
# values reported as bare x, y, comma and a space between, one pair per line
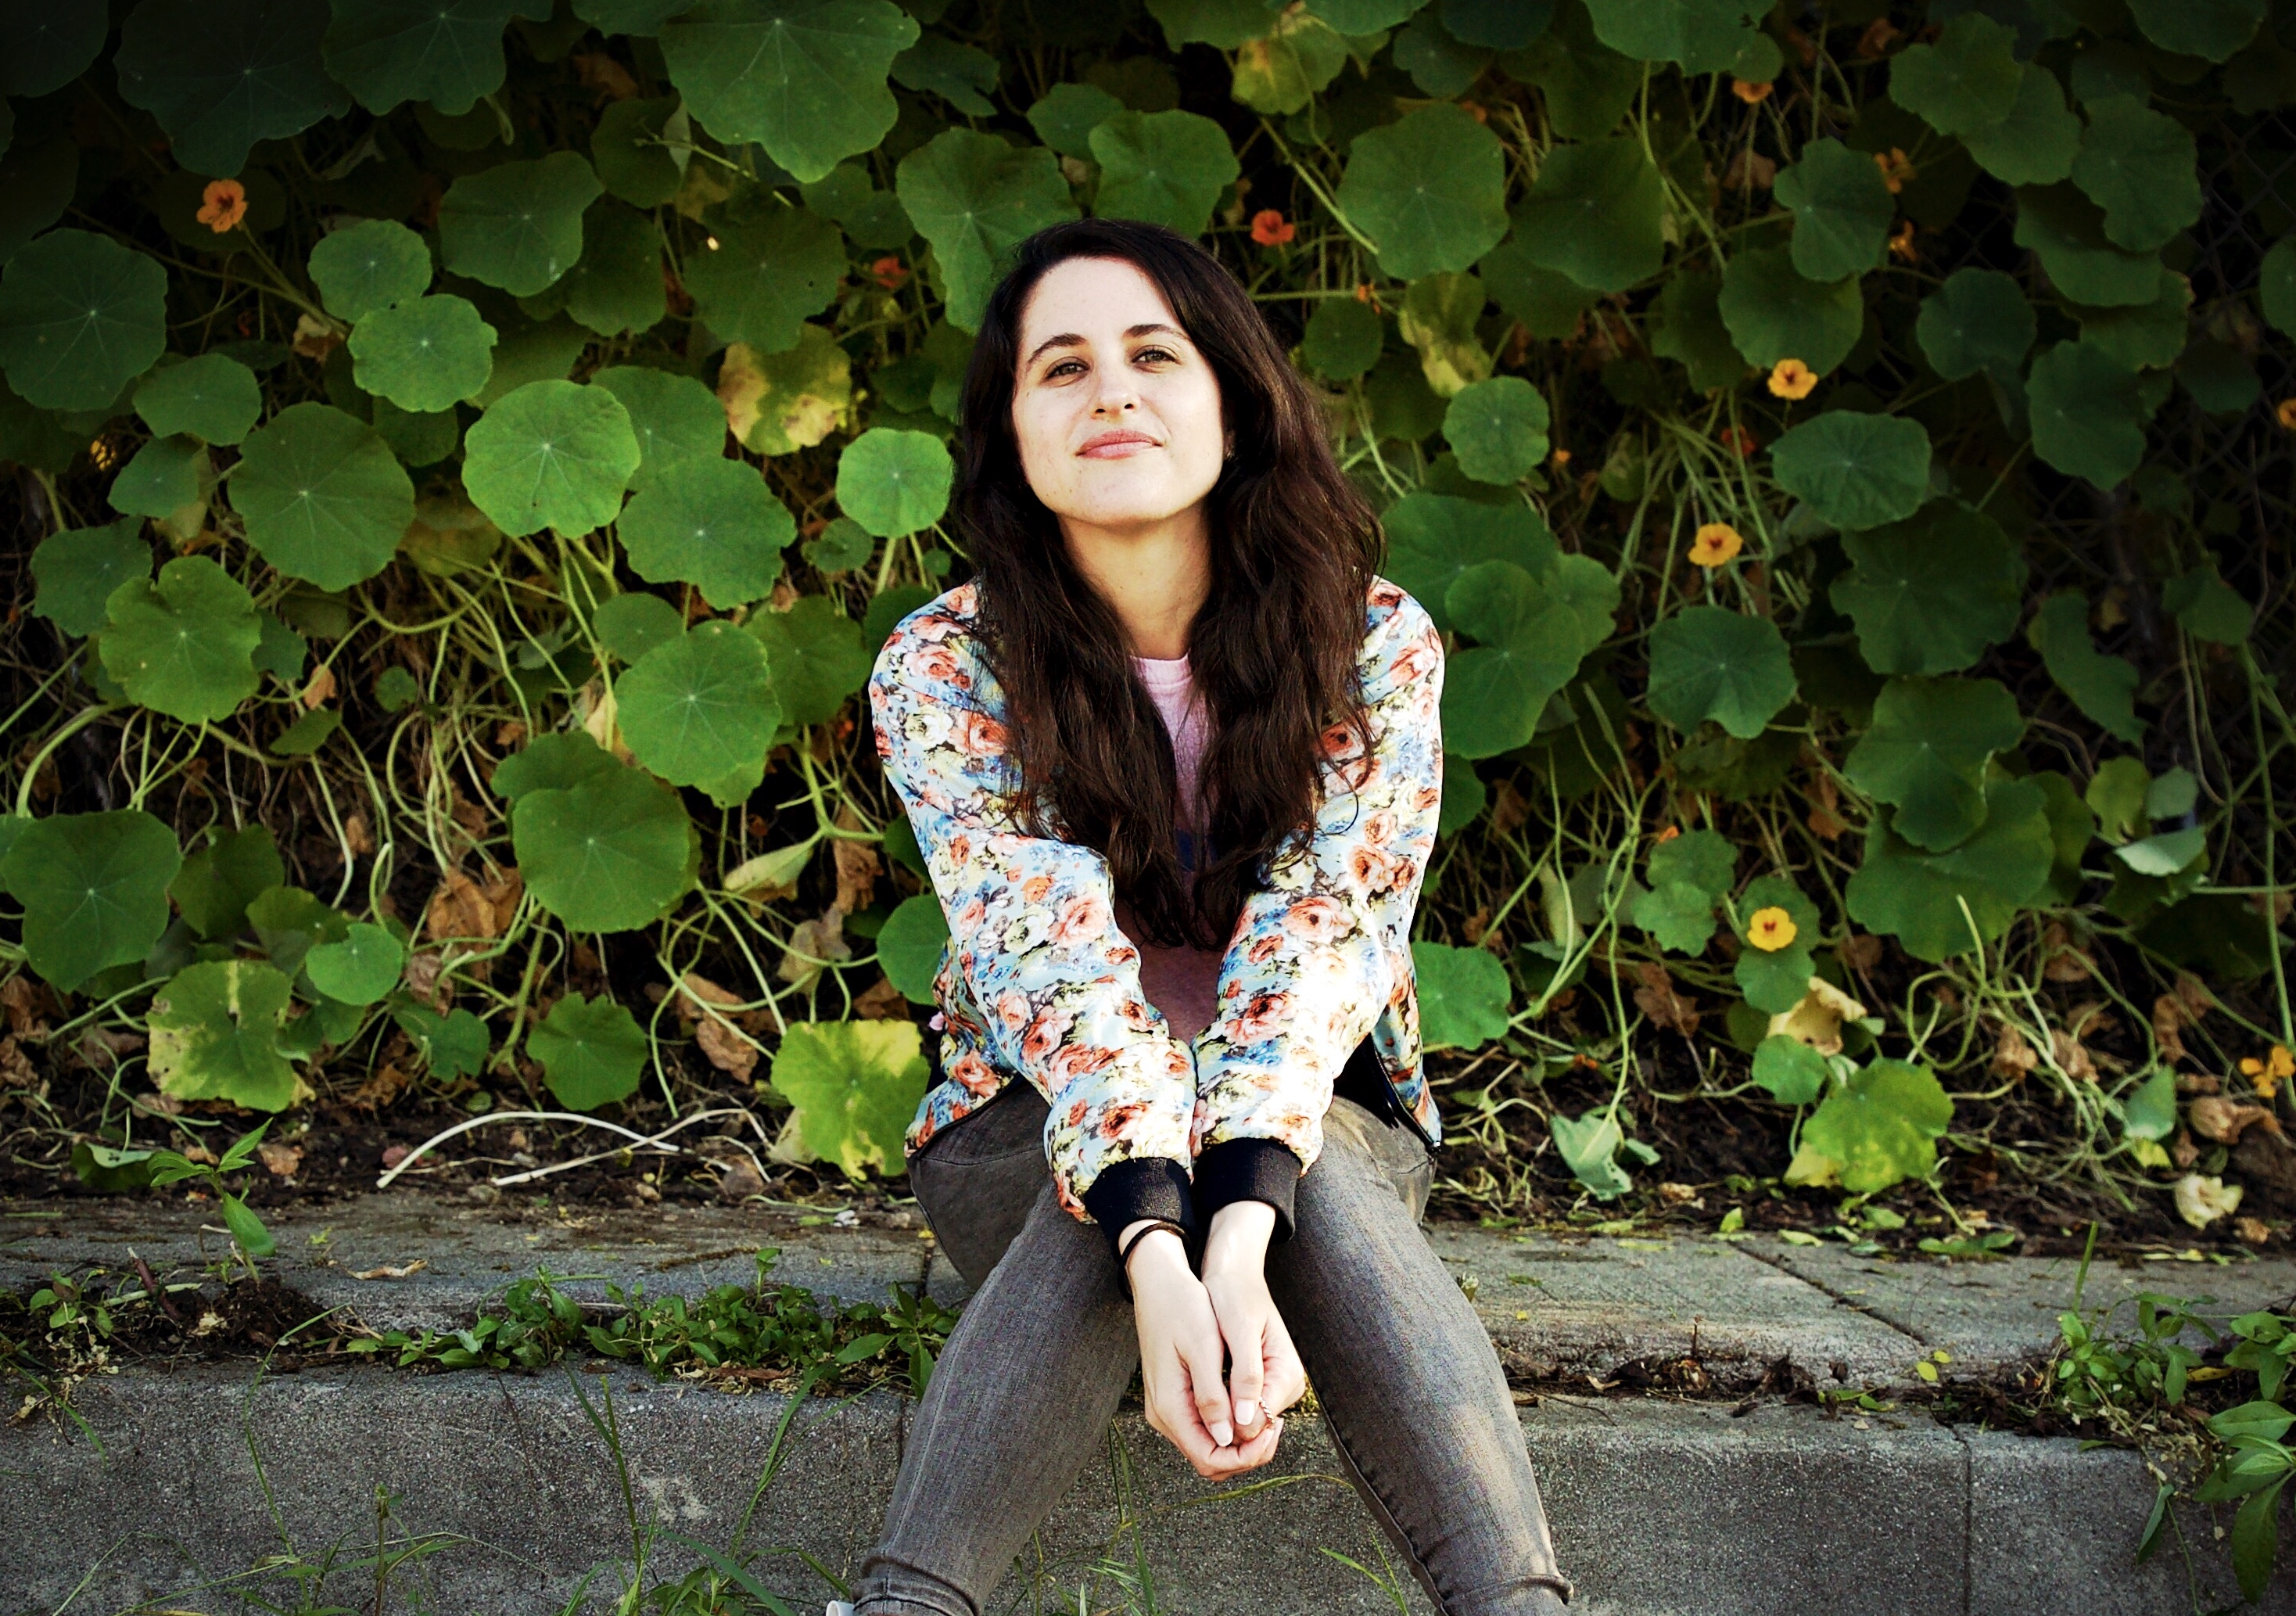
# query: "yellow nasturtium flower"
1771, 929
1716, 544
1792, 379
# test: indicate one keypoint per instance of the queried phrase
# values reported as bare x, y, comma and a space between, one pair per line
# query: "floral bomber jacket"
1038, 981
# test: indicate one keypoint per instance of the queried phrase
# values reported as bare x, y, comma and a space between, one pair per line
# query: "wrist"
1239, 1235
1159, 1249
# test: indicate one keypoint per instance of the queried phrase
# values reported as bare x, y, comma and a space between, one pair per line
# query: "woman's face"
1118, 415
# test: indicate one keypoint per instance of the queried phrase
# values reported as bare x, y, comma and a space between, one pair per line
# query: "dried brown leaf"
1657, 999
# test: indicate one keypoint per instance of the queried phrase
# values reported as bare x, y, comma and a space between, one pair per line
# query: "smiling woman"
1173, 758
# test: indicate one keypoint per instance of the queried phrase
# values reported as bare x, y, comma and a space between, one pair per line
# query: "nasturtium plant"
854, 1086
764, 276
1707, 663
1944, 904
806, 83
895, 482
1775, 313
1689, 873
75, 571
1930, 593
910, 945
1428, 190
700, 710
1778, 935
369, 266
2089, 412
1594, 214
673, 418
1793, 1073
213, 397
1463, 994
518, 225
592, 1051
1497, 428
1842, 211
1168, 167
219, 878
710, 522
182, 643
386, 51
1856, 470
1531, 630
221, 75
1926, 754
81, 317
214, 1035
94, 888
819, 657
1434, 538
424, 355
551, 454
2103, 687
323, 496
1879, 1128
974, 197
1979, 321
608, 852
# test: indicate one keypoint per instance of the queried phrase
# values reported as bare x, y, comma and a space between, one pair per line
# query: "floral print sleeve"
1045, 984
1322, 954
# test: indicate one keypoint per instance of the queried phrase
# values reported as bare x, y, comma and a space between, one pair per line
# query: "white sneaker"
839, 1607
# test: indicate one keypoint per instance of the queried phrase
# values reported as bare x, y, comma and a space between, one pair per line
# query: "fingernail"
1244, 1411
1222, 1435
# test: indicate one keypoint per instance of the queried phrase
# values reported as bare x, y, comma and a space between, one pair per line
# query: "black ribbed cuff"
1248, 1170
1146, 1186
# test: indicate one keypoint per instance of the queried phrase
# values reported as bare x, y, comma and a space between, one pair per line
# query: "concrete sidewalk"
1658, 1506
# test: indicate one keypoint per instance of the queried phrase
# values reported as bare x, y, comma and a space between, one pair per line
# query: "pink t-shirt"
1183, 982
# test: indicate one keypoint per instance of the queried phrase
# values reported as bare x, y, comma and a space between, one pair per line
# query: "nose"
1116, 393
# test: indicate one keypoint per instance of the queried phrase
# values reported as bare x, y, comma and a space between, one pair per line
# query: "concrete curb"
1658, 1507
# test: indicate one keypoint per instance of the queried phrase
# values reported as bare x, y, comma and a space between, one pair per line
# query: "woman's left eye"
1153, 353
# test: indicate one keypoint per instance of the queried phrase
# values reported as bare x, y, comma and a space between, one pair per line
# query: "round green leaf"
1979, 320
221, 75
1297, 55
973, 196
1065, 118
1166, 167
447, 53
163, 477
1690, 329
519, 224
551, 454
1343, 336
1792, 1071
81, 317
2067, 230
805, 81
555, 761
323, 497
894, 482
910, 945
701, 709
675, 417
629, 625
359, 970
818, 653
1928, 595
1882, 1126
615, 286
710, 522
855, 1085
419, 438
612, 852
1594, 214
184, 645
426, 355
2145, 336
214, 1035
1967, 80
592, 1051
218, 882
1429, 190
2211, 30
95, 890
1707, 663
2088, 417
1842, 209
77, 570
369, 266
1703, 36
1926, 752
630, 149
1774, 981
1677, 915
1856, 470
1532, 633
1463, 996
769, 274
44, 47
2036, 143
1773, 312
643, 18
2139, 166
1497, 428
2103, 687
780, 403
213, 397
1434, 538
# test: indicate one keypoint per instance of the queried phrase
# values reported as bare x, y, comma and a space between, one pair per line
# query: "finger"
1202, 1356
1246, 1454
1248, 1374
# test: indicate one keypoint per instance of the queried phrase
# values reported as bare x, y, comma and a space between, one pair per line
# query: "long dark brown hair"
1294, 546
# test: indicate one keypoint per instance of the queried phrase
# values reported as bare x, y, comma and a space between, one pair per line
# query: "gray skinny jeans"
1412, 1391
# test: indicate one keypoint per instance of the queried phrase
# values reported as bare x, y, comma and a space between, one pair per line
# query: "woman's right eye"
1063, 364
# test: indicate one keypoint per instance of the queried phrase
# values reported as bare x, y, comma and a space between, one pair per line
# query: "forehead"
1090, 297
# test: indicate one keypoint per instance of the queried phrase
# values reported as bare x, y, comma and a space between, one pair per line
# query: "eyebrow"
1068, 338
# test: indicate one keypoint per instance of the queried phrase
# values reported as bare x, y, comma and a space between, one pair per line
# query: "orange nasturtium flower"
223, 205
2286, 414
1750, 93
2268, 1074
1715, 543
1771, 929
890, 272
1792, 379
1270, 228
1739, 440
1901, 244
1895, 167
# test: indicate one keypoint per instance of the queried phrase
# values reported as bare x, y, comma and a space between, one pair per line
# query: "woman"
1173, 758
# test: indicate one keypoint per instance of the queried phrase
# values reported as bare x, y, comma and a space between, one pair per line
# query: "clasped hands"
1189, 1325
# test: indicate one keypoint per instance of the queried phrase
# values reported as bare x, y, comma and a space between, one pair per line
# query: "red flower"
890, 272
1270, 228
221, 205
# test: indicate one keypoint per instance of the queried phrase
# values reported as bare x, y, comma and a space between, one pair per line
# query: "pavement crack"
1877, 1315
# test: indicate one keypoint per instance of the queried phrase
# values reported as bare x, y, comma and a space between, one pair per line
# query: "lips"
1111, 444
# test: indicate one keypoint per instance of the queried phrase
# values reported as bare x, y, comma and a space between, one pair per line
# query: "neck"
1155, 574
